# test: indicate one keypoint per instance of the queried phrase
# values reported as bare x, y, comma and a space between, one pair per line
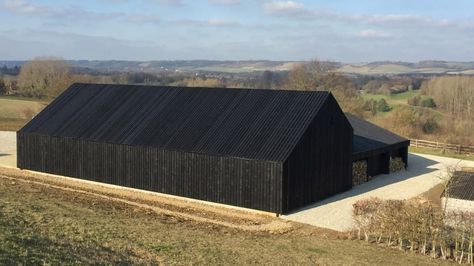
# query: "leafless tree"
44, 78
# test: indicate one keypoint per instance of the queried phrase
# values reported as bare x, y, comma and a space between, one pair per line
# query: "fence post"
442, 146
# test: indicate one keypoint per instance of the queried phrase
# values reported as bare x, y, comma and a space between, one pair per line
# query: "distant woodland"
436, 107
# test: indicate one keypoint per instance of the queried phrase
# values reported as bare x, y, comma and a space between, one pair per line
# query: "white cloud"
225, 2
300, 11
169, 2
222, 23
205, 23
23, 7
287, 8
26, 8
374, 34
144, 18
388, 18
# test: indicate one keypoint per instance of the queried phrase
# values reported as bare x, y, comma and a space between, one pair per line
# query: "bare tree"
455, 94
320, 76
3, 87
44, 78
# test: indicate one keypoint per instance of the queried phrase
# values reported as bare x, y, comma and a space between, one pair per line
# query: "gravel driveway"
7, 149
423, 173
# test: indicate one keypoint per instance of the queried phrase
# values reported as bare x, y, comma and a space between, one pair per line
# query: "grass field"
393, 68
394, 99
44, 225
17, 111
440, 153
399, 100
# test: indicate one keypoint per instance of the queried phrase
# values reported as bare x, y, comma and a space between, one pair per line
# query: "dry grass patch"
14, 113
42, 224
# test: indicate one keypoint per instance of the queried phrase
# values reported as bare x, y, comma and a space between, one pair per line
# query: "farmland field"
394, 99
17, 111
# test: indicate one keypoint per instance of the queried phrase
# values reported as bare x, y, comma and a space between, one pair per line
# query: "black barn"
376, 145
261, 149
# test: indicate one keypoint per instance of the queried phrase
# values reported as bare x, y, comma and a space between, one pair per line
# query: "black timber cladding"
371, 140
321, 161
234, 181
461, 185
235, 146
243, 123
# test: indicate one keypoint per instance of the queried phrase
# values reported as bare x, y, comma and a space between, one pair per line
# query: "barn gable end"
319, 166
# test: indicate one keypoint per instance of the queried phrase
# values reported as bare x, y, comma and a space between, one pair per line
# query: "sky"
337, 30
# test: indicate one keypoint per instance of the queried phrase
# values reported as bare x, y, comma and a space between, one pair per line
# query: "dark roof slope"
369, 138
462, 185
246, 123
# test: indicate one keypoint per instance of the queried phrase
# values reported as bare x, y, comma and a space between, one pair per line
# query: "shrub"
414, 101
382, 106
371, 106
3, 87
418, 226
430, 126
428, 102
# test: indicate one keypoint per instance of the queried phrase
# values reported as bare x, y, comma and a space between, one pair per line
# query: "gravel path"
7, 148
423, 173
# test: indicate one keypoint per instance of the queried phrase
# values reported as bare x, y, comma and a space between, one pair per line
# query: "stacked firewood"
359, 172
396, 164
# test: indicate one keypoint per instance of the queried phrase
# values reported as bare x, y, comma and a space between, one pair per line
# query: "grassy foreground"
43, 225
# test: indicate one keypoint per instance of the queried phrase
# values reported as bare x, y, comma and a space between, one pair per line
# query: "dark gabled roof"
462, 185
372, 139
245, 123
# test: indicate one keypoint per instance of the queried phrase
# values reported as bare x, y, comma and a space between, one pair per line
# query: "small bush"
428, 102
382, 106
414, 101
423, 102
3, 87
430, 126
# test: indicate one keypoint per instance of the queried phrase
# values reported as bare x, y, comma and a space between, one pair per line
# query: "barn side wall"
233, 181
321, 164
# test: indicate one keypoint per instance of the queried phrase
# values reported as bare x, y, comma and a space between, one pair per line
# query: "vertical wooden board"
240, 182
314, 167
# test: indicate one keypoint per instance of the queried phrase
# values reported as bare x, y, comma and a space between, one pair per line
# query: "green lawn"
398, 98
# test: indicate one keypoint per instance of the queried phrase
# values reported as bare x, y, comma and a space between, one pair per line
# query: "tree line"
444, 112
454, 94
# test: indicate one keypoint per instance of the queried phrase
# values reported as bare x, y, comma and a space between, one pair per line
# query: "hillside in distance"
422, 67
252, 66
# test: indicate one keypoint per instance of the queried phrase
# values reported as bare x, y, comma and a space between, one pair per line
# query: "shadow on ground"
417, 166
5, 154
